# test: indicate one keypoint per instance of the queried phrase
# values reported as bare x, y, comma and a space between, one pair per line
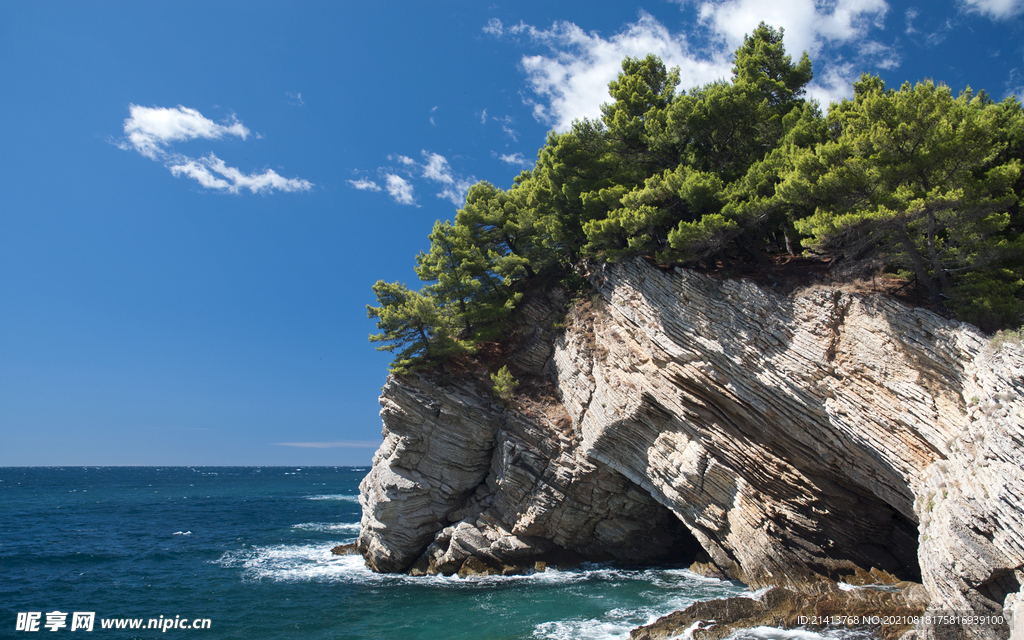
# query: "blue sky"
196, 197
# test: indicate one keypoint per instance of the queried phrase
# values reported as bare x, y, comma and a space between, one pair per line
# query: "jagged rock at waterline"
887, 612
786, 439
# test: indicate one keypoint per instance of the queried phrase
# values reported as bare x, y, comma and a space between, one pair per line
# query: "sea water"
246, 552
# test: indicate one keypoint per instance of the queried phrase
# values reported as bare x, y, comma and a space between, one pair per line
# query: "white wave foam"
687, 633
672, 577
316, 563
583, 630
682, 588
182, 533
290, 563
800, 633
329, 527
335, 496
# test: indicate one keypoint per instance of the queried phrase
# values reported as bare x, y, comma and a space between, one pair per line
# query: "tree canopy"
914, 180
915, 177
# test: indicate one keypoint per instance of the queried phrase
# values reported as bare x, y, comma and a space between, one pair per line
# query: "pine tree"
412, 323
913, 178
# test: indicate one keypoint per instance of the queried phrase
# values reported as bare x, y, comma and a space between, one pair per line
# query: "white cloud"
911, 14
399, 189
884, 57
483, 117
152, 130
809, 25
574, 79
571, 81
834, 84
437, 168
494, 27
149, 130
232, 180
994, 9
506, 126
516, 159
456, 193
365, 185
1015, 85
198, 171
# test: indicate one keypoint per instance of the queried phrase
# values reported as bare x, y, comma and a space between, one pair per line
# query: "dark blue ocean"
248, 549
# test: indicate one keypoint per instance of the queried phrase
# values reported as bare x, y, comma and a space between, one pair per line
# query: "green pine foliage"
504, 385
416, 326
914, 176
914, 180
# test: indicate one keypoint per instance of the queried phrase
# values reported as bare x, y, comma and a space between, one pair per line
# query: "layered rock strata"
797, 439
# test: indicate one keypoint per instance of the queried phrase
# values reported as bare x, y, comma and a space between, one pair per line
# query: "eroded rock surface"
887, 613
797, 439
436, 453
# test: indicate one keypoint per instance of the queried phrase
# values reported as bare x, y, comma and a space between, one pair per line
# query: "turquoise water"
249, 549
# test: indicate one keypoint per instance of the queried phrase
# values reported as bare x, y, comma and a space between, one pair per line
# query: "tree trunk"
919, 270
933, 254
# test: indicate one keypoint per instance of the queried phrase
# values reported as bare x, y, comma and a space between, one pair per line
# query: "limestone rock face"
971, 505
436, 452
793, 439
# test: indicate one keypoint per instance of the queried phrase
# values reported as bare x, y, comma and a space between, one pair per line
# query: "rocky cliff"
782, 440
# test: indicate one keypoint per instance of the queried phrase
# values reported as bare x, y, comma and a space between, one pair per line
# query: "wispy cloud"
406, 175
506, 126
151, 131
884, 57
365, 185
231, 179
456, 193
515, 159
494, 27
994, 9
329, 445
437, 168
911, 14
399, 189
1015, 85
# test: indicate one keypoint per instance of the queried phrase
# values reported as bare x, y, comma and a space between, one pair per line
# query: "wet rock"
884, 613
346, 549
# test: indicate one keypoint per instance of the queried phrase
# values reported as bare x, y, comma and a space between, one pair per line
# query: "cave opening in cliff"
682, 548
662, 540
